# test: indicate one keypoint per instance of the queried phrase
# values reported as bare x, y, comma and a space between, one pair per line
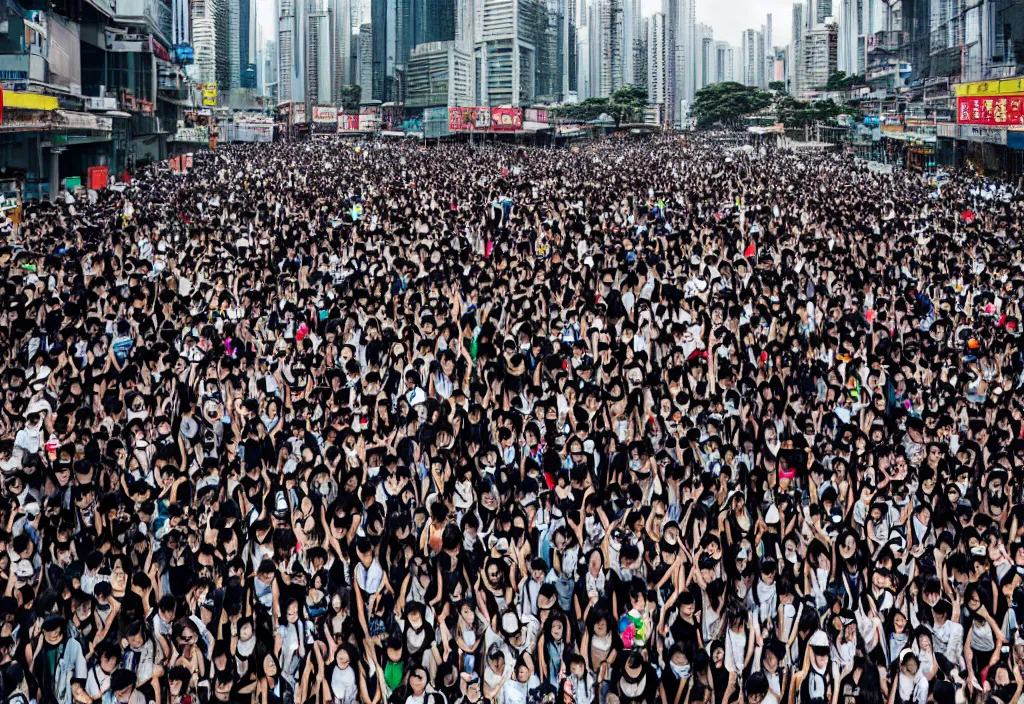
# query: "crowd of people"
633, 422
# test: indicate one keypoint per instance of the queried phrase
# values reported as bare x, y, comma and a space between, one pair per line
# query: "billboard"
300, 114
323, 113
348, 123
1005, 111
210, 94
536, 115
468, 119
506, 119
117, 40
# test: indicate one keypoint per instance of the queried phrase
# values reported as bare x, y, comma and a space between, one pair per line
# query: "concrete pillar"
54, 174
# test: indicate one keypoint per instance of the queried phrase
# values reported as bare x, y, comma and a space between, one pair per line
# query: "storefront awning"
29, 101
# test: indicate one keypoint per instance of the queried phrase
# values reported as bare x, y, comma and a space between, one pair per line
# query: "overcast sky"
727, 17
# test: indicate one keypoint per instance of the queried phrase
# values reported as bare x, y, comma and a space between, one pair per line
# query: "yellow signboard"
1006, 86
29, 101
209, 94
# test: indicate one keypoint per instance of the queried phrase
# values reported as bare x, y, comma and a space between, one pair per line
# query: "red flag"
968, 216
751, 250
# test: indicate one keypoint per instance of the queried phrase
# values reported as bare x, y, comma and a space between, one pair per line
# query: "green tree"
628, 104
350, 97
839, 81
797, 113
727, 104
778, 86
625, 105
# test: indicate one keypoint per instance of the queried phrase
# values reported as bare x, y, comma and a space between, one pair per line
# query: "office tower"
222, 27
752, 47
818, 11
820, 56
570, 52
780, 66
705, 56
342, 73
247, 43
365, 68
439, 74
797, 47
204, 39
846, 24
506, 51
181, 26
291, 83
611, 46
680, 75
725, 62
383, 24
657, 52
550, 57
640, 53
631, 18
584, 88
318, 54
767, 53
234, 57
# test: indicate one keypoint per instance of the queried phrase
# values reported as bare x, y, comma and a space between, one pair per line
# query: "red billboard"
348, 123
467, 119
991, 111
506, 119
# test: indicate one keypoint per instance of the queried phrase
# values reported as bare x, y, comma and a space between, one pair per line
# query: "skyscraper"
247, 43
342, 66
550, 57
506, 51
570, 52
705, 56
365, 62
291, 82
679, 73
318, 54
656, 56
751, 61
234, 56
384, 32
725, 62
797, 48
209, 41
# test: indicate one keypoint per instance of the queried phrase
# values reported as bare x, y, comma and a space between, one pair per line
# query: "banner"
468, 119
1006, 111
158, 49
210, 94
368, 123
506, 119
348, 123
323, 113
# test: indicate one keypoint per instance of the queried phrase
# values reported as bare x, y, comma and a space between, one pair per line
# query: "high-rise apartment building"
705, 57
657, 52
725, 62
291, 82
797, 49
821, 49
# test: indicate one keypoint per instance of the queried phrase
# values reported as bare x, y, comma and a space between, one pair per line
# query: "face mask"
681, 671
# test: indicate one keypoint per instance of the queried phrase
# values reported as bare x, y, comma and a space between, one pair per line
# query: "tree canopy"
350, 97
625, 105
839, 80
797, 113
727, 103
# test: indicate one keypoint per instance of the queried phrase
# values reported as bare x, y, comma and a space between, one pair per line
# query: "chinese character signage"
1006, 111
